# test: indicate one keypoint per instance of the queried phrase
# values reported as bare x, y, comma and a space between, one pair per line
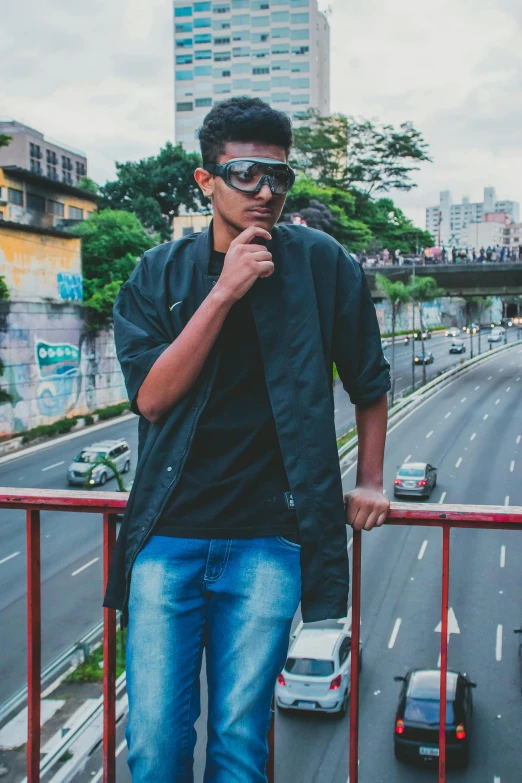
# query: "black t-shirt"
234, 482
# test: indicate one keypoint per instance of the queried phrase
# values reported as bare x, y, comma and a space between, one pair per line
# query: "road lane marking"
458, 462
502, 556
408, 458
90, 563
422, 550
498, 646
477, 387
490, 377
497, 401
517, 440
473, 436
464, 399
508, 388
442, 497
447, 415
485, 416
395, 631
501, 369
512, 466
56, 464
506, 500
430, 433
9, 557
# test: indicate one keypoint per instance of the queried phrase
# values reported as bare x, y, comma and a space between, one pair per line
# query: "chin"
265, 221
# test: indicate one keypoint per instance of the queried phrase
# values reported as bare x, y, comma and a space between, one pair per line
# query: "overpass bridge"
490, 279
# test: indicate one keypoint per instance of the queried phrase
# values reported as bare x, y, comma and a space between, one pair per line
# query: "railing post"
34, 646
354, 658
109, 661
444, 650
270, 764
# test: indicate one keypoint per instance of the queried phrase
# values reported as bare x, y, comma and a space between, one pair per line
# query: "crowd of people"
436, 255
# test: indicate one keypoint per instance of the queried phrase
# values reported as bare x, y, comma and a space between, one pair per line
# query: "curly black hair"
243, 119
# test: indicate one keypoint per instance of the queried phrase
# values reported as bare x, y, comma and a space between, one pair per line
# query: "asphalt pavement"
471, 431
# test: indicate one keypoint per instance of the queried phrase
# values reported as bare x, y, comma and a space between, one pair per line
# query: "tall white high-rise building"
448, 219
277, 50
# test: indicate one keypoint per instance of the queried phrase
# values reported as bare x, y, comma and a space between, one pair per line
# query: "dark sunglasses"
248, 175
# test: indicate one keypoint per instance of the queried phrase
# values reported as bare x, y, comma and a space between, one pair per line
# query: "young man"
226, 340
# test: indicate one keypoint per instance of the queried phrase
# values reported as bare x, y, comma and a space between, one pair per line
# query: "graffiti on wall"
70, 287
58, 364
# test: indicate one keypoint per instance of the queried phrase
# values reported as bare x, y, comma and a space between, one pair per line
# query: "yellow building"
184, 225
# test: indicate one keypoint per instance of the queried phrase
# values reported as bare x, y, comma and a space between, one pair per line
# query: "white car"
316, 675
453, 331
496, 335
117, 451
384, 343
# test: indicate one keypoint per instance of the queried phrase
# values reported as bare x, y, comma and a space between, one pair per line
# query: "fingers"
364, 512
249, 234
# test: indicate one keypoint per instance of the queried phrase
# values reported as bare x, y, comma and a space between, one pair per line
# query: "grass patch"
91, 671
350, 435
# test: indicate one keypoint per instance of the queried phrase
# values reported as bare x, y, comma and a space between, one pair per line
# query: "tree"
327, 209
4, 296
356, 153
89, 185
4, 139
424, 289
112, 242
389, 225
396, 293
155, 188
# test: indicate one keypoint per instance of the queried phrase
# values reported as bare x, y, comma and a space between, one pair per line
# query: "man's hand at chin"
366, 508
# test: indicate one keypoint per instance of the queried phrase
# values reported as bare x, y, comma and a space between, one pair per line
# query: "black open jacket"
315, 309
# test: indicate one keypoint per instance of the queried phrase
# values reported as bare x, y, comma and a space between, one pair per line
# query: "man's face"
241, 210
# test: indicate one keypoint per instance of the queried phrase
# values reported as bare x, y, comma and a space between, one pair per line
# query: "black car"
457, 347
425, 335
417, 721
427, 359
417, 479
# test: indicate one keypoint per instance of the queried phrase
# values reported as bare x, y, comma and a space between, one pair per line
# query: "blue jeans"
235, 599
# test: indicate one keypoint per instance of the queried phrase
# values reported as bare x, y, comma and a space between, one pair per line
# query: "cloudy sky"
98, 75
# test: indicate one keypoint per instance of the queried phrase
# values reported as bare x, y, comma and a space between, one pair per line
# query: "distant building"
185, 225
277, 50
447, 220
30, 149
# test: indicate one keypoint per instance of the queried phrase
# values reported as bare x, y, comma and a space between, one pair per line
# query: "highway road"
472, 432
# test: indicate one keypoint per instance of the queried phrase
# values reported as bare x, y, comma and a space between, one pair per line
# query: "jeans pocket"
289, 544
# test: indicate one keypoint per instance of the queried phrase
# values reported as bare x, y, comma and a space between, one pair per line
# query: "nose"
265, 194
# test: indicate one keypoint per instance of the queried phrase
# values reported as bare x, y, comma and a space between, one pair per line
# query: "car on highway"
453, 331
496, 335
471, 328
417, 479
384, 343
424, 335
428, 358
117, 451
457, 346
507, 321
417, 720
316, 675
519, 631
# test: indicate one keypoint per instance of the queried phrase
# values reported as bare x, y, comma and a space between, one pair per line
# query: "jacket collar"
204, 243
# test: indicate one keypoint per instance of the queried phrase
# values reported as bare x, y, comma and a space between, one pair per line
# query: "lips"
261, 213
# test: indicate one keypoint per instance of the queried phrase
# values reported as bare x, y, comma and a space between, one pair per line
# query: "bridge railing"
110, 504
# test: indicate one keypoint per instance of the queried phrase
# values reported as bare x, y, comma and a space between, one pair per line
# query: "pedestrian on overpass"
226, 340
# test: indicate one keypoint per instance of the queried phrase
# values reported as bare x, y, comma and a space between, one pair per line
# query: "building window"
260, 53
52, 173
184, 106
51, 157
279, 2
222, 41
205, 21
80, 169
280, 97
15, 196
241, 68
280, 16
241, 35
300, 35
240, 4
301, 67
298, 99
280, 32
184, 76
260, 71
75, 213
203, 70
280, 81
219, 74
66, 163
202, 102
260, 21
184, 27
260, 5
260, 86
222, 88
35, 202
203, 38
204, 54
184, 11
241, 51
184, 43
299, 3
260, 37
200, 7
56, 208
300, 50
240, 20
217, 24
281, 65
300, 18
183, 59
221, 57
221, 9
300, 84
280, 48
35, 166
241, 84
66, 178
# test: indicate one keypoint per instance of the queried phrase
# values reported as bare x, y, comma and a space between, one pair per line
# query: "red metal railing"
109, 503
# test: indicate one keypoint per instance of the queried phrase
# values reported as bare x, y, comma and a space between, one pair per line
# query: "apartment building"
277, 50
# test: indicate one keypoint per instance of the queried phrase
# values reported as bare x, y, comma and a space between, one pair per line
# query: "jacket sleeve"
357, 352
139, 336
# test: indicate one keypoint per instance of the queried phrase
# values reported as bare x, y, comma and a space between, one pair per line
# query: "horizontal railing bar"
409, 513
62, 500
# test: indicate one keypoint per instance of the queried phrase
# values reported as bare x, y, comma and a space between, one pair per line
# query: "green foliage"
155, 188
424, 289
109, 464
4, 139
60, 427
89, 185
91, 671
112, 410
327, 209
350, 152
396, 292
112, 242
389, 225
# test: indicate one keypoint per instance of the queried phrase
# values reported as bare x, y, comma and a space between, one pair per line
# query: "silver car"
418, 479
116, 451
316, 676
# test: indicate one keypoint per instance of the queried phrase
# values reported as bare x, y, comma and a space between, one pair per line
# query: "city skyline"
119, 105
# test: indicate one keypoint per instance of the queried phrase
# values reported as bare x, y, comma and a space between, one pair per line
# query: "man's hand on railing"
366, 508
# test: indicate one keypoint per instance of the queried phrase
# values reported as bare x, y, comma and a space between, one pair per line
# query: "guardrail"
109, 504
